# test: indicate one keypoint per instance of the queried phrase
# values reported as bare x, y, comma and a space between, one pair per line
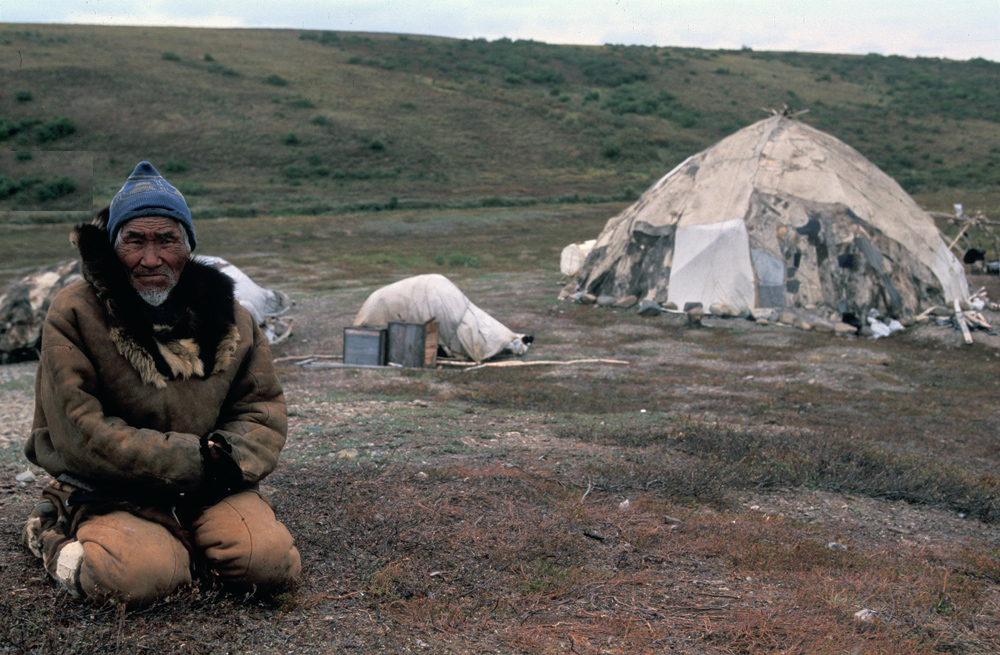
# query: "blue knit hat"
146, 193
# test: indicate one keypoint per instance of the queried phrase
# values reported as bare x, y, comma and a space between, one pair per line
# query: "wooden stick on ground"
960, 319
958, 236
291, 357
548, 363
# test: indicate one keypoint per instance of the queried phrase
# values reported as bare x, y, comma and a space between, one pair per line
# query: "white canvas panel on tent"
778, 214
463, 328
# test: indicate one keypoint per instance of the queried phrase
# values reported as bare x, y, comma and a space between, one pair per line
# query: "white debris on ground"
964, 315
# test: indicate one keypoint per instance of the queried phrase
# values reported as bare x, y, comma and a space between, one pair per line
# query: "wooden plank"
960, 319
430, 343
407, 342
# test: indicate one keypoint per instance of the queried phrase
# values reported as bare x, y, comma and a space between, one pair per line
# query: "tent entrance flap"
712, 264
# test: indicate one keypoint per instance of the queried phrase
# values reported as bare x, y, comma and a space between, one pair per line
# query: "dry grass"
495, 557
777, 482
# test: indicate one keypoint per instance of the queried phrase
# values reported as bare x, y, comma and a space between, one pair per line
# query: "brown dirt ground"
396, 552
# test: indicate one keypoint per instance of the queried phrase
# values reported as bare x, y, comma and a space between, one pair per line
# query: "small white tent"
463, 328
778, 214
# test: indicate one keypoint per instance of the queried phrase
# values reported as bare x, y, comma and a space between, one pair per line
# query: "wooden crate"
365, 345
413, 345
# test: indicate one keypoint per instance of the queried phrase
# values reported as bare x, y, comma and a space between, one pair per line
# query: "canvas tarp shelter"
463, 328
778, 214
262, 303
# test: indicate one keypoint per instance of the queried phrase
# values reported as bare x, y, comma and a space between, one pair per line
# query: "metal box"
413, 345
365, 345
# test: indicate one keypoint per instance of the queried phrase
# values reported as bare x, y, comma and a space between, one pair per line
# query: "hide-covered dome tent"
778, 214
464, 330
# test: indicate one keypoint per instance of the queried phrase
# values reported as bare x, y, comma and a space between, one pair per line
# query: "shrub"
191, 189
544, 76
24, 155
176, 166
209, 57
8, 187
9, 128
376, 145
292, 172
56, 188
611, 149
457, 259
275, 80
318, 120
171, 56
612, 73
290, 139
55, 129
24, 96
301, 103
222, 70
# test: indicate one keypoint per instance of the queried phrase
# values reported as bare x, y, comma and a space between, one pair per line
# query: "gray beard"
154, 298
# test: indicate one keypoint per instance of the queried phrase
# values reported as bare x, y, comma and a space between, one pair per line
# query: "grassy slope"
285, 121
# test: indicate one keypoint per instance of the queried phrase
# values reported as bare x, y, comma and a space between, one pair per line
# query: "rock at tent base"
626, 302
649, 308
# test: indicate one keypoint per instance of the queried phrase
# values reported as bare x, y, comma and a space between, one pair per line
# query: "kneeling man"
158, 412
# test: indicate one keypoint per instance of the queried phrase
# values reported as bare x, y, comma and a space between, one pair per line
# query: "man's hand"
213, 452
222, 474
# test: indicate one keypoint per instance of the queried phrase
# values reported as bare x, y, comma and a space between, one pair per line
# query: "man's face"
153, 251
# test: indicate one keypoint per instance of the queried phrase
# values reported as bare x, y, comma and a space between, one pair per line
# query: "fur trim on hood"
200, 342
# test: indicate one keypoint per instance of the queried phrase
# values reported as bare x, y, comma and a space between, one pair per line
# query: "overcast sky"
955, 29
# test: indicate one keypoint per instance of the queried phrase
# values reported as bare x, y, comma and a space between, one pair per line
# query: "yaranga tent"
463, 329
778, 214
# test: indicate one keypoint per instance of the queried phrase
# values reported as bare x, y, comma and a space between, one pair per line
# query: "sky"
952, 29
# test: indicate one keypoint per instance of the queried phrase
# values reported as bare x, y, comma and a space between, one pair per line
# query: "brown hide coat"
122, 403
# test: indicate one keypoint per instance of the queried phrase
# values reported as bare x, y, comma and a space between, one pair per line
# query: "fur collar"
200, 341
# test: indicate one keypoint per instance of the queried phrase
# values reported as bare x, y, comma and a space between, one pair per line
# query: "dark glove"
222, 474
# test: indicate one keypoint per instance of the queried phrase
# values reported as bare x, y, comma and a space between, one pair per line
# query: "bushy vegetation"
45, 191
520, 120
56, 188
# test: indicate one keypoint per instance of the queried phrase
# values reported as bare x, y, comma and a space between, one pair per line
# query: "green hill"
272, 122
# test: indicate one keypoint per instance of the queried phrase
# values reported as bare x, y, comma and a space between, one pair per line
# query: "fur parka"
124, 402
